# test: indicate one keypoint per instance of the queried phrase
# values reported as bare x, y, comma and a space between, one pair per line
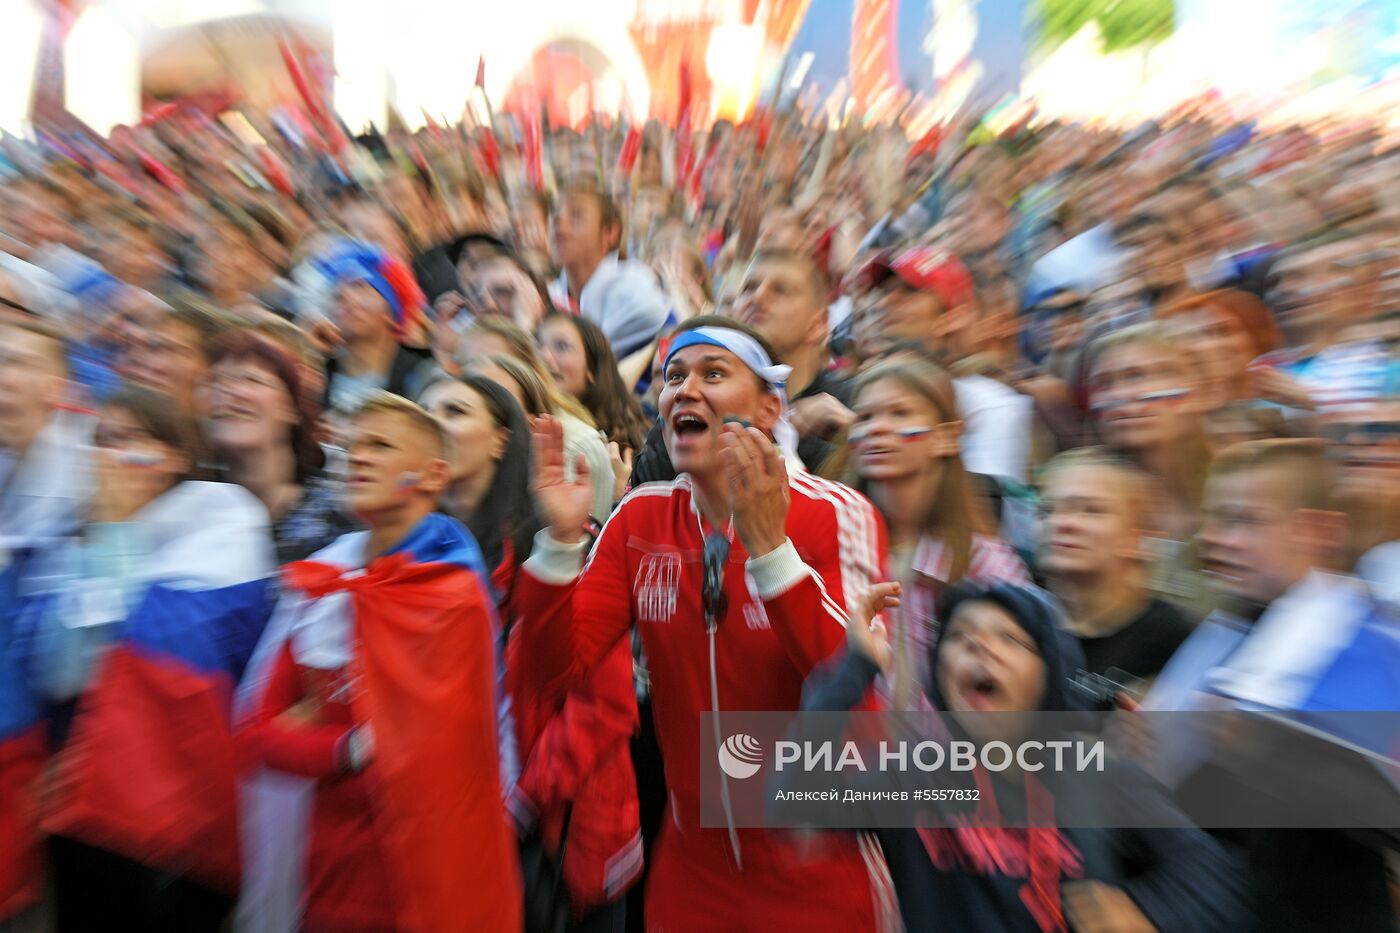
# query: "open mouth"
231, 413
689, 424
979, 689
1224, 570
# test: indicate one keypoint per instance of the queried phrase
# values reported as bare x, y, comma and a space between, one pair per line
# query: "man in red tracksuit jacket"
798, 546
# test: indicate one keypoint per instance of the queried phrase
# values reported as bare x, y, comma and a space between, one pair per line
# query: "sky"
826, 33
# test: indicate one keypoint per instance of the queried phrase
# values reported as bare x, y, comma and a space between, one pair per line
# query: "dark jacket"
1181, 879
409, 374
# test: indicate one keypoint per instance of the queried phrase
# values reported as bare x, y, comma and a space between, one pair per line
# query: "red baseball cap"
924, 268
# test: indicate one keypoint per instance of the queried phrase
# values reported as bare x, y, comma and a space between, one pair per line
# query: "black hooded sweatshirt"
1179, 878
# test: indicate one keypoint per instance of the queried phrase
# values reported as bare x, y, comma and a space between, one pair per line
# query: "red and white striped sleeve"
842, 539
993, 561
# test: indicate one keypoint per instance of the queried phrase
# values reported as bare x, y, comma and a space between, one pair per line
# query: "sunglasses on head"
712, 596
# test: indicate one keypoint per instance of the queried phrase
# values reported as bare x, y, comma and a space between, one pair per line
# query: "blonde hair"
1310, 474
412, 413
1149, 333
1135, 490
1193, 456
958, 510
536, 396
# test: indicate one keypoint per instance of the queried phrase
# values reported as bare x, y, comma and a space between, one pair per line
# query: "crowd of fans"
753, 374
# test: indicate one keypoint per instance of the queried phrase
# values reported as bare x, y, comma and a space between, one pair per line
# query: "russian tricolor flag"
147, 770
1324, 652
419, 624
22, 756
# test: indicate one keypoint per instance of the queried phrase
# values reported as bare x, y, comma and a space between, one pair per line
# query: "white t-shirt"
996, 427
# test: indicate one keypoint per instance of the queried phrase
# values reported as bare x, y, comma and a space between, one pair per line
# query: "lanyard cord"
711, 626
723, 778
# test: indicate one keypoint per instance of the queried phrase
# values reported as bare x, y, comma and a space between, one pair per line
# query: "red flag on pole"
697, 193
631, 149
534, 149
481, 72
298, 76
312, 96
491, 153
685, 155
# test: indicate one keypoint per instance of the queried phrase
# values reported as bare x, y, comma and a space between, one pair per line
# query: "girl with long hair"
903, 452
162, 593
582, 363
1148, 407
535, 392
490, 471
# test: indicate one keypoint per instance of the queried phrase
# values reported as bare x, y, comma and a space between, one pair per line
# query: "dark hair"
507, 511
245, 345
609, 217
165, 422
614, 408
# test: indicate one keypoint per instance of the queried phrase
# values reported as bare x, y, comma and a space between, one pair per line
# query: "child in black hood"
1002, 649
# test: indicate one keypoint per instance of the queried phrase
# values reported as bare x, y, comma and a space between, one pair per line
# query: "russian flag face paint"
1102, 406
1163, 395
860, 437
137, 458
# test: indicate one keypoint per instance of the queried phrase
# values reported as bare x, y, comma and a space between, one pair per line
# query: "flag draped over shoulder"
424, 648
22, 756
148, 769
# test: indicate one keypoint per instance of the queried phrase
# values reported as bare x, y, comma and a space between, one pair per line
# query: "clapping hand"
564, 504
758, 488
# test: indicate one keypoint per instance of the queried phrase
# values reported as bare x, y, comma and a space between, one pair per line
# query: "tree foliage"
1123, 24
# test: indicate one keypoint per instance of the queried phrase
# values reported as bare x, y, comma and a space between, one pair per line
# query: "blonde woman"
904, 453
1149, 407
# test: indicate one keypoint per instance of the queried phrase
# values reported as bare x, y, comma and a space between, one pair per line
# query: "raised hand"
866, 634
1094, 907
822, 415
563, 504
622, 468
758, 488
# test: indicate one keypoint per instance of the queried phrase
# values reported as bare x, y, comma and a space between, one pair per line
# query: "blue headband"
357, 262
749, 351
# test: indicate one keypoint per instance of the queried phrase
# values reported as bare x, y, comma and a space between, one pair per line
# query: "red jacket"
574, 750
347, 881
786, 614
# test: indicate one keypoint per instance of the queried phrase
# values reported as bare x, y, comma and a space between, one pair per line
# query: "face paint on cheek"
137, 458
1163, 395
859, 438
408, 481
1102, 406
